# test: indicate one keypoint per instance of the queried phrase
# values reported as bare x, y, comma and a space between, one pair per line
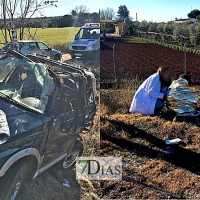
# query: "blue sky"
150, 10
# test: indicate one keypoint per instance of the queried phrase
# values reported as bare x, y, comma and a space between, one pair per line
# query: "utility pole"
99, 15
185, 67
114, 62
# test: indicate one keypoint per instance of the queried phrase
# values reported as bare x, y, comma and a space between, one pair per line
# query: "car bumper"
81, 53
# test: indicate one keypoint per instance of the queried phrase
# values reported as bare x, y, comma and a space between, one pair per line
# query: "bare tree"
3, 6
17, 15
107, 13
81, 9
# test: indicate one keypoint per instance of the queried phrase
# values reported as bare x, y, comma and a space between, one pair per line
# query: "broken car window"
27, 83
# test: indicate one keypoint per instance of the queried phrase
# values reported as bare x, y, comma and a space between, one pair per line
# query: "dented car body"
44, 105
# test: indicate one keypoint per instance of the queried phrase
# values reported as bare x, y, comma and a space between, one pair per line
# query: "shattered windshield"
89, 33
27, 83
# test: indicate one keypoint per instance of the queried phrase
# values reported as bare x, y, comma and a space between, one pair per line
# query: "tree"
160, 28
107, 13
73, 13
152, 27
107, 28
95, 17
123, 12
194, 13
81, 9
180, 30
17, 15
83, 18
198, 18
82, 12
143, 26
130, 30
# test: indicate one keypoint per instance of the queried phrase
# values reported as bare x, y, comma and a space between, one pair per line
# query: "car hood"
15, 120
54, 52
84, 42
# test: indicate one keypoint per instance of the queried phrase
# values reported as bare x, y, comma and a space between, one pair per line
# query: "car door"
32, 48
44, 49
61, 130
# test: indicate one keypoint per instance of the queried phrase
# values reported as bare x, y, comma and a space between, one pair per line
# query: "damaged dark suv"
44, 106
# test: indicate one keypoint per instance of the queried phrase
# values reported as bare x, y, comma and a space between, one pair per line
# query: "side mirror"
50, 48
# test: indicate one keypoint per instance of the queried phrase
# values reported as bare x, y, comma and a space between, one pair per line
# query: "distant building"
188, 20
120, 27
107, 21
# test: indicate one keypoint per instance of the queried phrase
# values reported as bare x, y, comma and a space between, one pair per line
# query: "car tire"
12, 183
57, 57
77, 151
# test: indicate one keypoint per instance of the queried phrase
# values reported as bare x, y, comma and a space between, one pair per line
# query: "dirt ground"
149, 171
49, 185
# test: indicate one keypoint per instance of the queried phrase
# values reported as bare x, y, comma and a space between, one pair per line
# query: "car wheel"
12, 182
57, 57
76, 152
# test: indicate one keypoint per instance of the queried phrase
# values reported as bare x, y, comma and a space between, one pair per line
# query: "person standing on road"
151, 95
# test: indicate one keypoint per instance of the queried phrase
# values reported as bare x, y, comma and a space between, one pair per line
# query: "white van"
86, 42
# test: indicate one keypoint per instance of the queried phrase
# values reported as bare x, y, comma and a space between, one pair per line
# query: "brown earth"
143, 59
140, 141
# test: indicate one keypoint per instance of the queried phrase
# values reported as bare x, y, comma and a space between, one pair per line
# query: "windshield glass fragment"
4, 128
27, 83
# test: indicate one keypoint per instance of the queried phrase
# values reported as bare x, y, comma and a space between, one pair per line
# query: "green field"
53, 36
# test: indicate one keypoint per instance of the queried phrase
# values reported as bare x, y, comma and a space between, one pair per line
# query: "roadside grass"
57, 38
91, 189
54, 36
140, 141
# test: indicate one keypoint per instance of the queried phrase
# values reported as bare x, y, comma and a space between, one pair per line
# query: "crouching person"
151, 95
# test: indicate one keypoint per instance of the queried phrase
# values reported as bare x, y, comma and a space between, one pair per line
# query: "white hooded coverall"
146, 96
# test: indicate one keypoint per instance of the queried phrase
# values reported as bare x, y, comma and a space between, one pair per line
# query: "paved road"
66, 57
